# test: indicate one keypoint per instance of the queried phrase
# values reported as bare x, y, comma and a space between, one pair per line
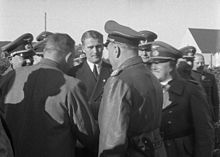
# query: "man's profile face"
144, 55
198, 63
93, 49
161, 70
37, 58
111, 54
17, 61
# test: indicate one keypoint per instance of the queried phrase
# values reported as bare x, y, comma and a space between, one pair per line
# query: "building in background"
206, 41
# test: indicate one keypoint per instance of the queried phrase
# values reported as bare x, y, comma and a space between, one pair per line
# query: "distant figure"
186, 126
185, 64
144, 50
20, 52
131, 107
46, 110
208, 82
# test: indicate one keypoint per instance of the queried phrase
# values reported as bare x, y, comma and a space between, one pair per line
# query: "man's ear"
117, 51
69, 58
83, 48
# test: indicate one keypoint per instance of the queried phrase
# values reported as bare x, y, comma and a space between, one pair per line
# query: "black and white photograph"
109, 78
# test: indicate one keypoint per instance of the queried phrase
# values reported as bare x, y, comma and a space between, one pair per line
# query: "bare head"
59, 48
92, 46
199, 62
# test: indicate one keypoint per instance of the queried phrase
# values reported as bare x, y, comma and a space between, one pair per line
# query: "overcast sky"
168, 18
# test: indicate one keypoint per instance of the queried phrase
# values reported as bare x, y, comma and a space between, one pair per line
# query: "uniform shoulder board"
193, 82
116, 72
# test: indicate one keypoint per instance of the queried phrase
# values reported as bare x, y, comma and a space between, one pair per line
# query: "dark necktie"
95, 72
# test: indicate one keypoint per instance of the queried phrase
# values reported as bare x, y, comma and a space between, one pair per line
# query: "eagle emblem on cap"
155, 53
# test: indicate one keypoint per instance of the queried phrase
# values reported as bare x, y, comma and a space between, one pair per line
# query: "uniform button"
169, 122
170, 112
168, 144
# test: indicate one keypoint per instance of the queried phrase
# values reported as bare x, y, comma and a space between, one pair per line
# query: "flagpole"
45, 21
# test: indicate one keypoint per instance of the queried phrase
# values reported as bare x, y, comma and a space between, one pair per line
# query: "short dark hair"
92, 34
60, 42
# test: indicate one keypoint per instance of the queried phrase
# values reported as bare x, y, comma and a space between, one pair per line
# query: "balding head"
199, 62
199, 55
59, 47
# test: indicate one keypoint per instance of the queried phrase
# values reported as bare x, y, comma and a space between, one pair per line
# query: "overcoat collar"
52, 63
177, 85
130, 62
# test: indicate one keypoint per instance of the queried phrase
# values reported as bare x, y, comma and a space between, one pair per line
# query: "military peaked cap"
148, 35
41, 38
23, 53
19, 43
43, 35
188, 51
122, 34
164, 51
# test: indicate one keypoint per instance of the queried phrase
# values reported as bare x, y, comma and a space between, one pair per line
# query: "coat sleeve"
114, 118
202, 122
5, 144
215, 99
81, 117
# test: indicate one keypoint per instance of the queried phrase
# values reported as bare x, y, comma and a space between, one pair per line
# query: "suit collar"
91, 65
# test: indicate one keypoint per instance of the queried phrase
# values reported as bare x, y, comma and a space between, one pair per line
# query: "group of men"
148, 101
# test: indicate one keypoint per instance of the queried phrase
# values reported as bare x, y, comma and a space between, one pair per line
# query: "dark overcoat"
209, 84
46, 111
187, 126
6, 149
131, 106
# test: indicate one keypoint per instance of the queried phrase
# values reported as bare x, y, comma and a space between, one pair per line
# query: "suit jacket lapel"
105, 72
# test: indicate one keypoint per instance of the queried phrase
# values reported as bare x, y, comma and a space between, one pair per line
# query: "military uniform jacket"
46, 111
94, 88
186, 122
208, 82
131, 105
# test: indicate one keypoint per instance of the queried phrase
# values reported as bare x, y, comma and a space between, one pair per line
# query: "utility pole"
45, 21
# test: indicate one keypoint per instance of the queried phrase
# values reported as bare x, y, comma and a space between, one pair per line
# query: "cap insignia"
155, 53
